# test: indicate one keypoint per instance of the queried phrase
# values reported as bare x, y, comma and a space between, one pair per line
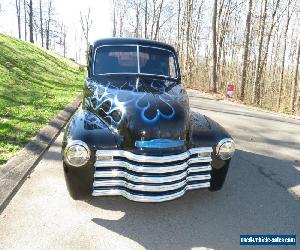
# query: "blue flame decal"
112, 101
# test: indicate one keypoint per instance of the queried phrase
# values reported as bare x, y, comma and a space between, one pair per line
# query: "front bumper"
151, 178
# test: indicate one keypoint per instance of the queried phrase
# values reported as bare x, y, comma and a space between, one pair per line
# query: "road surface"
260, 196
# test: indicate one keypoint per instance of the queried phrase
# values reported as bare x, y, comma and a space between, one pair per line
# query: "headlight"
225, 148
77, 153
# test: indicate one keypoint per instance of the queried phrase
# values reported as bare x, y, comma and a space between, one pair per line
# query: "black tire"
218, 177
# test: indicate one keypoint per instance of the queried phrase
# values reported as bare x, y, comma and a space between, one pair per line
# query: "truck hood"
140, 109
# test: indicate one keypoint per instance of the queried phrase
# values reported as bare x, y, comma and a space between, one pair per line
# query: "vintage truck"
135, 134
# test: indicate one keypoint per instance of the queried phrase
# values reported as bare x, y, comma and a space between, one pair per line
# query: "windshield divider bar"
138, 58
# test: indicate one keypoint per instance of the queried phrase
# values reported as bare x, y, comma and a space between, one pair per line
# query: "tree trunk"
146, 19
41, 23
178, 27
256, 87
213, 84
114, 20
25, 20
158, 19
48, 24
30, 22
283, 56
295, 82
18, 8
246, 50
137, 20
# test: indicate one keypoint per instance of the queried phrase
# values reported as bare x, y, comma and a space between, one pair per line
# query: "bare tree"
256, 90
288, 18
31, 22
41, 24
295, 82
246, 51
50, 13
18, 9
62, 38
213, 83
137, 17
158, 19
114, 19
25, 19
146, 20
266, 43
86, 24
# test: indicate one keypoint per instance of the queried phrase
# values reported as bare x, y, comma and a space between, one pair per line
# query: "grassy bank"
34, 85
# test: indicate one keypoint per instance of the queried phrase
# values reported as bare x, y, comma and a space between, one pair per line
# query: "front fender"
89, 128
86, 127
205, 132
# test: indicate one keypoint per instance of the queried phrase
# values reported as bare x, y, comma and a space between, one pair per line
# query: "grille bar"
155, 159
148, 179
149, 198
151, 178
151, 188
154, 169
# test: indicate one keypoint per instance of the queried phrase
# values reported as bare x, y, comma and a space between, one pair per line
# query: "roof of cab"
131, 41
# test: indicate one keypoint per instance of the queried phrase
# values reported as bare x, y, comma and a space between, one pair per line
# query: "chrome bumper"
151, 178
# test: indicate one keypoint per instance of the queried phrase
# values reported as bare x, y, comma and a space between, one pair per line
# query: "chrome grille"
151, 178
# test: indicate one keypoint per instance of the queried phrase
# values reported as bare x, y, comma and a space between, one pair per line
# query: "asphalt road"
261, 196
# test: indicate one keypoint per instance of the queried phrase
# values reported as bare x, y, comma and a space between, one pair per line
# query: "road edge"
14, 173
206, 95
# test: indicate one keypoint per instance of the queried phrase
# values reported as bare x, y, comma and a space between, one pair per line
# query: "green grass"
34, 85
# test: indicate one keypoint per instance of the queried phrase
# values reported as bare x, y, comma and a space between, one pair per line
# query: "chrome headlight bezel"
228, 145
79, 145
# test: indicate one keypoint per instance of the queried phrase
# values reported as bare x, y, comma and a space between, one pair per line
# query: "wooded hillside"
255, 46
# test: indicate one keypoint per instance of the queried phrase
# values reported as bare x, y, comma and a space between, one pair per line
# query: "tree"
86, 24
114, 19
50, 13
246, 51
146, 20
31, 22
288, 18
295, 81
158, 19
213, 84
41, 24
256, 90
25, 19
262, 59
18, 9
63, 38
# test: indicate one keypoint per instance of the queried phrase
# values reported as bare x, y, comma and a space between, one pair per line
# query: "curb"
15, 171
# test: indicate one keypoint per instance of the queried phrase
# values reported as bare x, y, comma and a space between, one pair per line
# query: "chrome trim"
152, 179
149, 188
200, 150
153, 174
148, 198
154, 159
220, 143
155, 169
138, 58
73, 143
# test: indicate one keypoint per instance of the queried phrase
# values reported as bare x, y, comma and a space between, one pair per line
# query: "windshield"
134, 60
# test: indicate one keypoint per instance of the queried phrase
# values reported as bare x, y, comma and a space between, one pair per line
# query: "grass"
34, 85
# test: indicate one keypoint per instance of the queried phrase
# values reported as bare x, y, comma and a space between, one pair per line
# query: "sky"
68, 12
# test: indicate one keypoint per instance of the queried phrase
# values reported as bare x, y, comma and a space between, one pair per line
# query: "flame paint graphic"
112, 101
